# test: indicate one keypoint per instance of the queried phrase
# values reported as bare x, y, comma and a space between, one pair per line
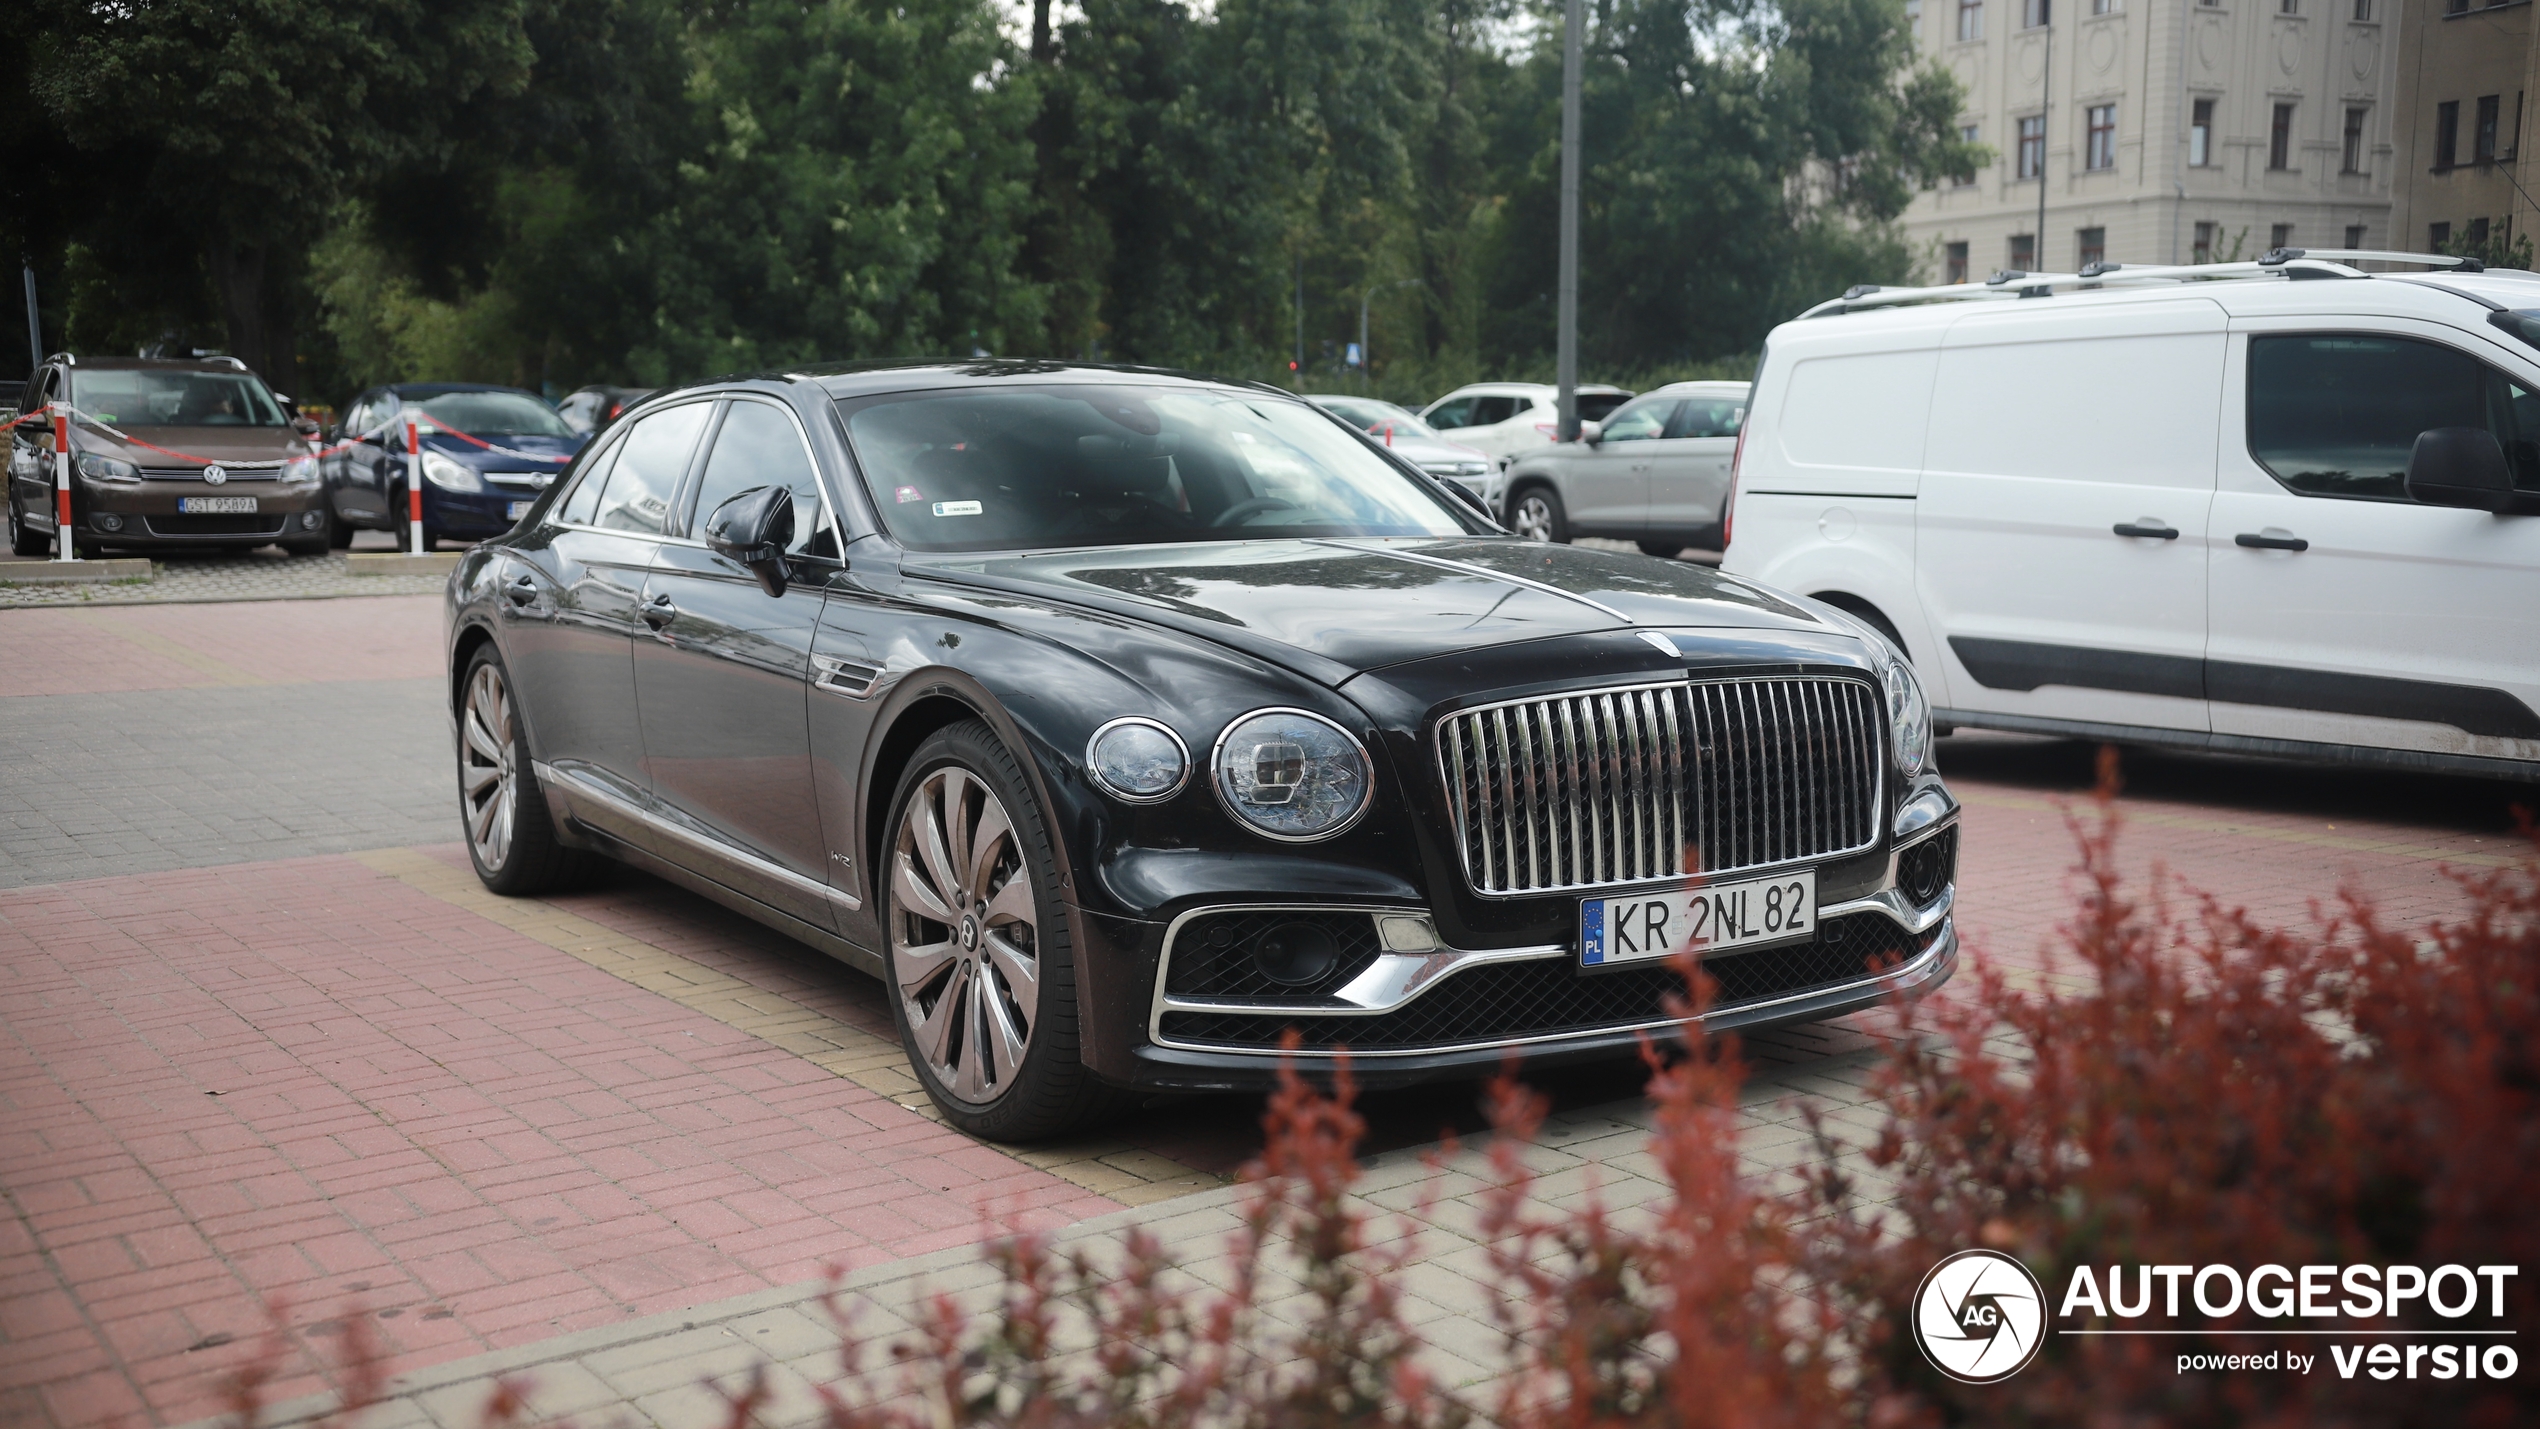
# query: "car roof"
78, 364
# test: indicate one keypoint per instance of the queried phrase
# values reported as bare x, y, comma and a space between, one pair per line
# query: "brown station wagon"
165, 454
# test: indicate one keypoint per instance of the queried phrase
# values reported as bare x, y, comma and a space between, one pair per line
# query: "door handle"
659, 612
522, 592
2152, 526
2271, 539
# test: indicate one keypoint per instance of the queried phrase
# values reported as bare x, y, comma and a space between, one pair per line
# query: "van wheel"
1536, 514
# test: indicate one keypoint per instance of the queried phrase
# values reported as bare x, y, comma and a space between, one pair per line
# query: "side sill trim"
705, 844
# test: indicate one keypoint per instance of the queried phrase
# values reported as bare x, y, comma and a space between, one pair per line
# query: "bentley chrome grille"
1625, 785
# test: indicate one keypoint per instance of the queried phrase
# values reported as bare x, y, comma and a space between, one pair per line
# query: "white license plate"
520, 509
1714, 917
216, 505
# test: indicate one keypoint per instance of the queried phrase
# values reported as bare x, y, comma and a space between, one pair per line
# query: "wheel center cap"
969, 934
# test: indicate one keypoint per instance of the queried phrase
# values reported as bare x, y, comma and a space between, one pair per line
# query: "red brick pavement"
303, 1079
57, 650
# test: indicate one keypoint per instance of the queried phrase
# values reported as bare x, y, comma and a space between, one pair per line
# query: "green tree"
244, 122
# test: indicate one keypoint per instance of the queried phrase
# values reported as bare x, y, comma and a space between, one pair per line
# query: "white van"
2288, 507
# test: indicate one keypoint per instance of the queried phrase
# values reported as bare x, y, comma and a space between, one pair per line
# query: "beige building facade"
2464, 70
2162, 130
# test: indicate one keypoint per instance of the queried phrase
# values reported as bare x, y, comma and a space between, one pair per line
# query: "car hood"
1335, 609
473, 455
1423, 450
172, 446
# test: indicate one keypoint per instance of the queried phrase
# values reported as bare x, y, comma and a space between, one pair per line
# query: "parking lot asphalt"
263, 1035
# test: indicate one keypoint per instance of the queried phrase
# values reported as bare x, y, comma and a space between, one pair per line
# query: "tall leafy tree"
244, 122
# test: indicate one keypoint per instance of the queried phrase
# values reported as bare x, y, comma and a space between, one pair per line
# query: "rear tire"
1536, 514
981, 971
502, 812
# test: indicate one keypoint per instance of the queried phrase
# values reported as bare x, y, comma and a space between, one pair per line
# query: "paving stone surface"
263, 574
615, 1136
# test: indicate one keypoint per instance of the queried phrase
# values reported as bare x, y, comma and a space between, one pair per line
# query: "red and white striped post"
414, 487
62, 542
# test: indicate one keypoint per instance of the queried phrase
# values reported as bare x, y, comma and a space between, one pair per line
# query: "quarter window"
757, 446
2337, 414
649, 464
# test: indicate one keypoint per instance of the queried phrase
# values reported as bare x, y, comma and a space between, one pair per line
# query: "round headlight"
1137, 760
1908, 717
1292, 775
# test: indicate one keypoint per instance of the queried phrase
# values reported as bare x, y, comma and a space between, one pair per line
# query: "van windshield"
1005, 469
152, 397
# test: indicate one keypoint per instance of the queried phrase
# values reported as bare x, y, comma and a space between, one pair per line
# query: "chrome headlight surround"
1122, 746
447, 474
1908, 717
1332, 783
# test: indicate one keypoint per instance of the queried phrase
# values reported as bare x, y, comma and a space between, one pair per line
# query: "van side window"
2336, 414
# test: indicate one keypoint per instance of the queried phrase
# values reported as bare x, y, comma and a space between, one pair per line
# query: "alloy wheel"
488, 779
965, 931
1533, 517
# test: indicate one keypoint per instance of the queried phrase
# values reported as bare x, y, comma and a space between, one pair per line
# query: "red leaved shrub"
2213, 1092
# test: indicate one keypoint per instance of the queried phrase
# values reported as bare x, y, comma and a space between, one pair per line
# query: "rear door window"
1458, 413
2337, 414
1491, 411
649, 464
1707, 417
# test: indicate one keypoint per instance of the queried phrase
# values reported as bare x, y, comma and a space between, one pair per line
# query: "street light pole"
1573, 41
1366, 358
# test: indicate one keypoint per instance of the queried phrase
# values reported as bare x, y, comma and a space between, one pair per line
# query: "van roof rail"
2013, 284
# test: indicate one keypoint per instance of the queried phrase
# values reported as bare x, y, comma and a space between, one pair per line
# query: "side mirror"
1591, 432
2460, 466
752, 531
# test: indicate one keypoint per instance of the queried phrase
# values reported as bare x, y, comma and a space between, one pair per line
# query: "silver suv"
1655, 472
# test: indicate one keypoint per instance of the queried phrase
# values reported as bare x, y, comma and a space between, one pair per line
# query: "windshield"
144, 397
1018, 468
1375, 416
482, 414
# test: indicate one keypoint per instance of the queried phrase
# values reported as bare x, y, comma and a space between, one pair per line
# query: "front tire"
1536, 514
502, 812
981, 971
23, 542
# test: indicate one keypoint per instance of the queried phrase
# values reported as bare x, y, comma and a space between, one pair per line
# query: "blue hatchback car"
470, 491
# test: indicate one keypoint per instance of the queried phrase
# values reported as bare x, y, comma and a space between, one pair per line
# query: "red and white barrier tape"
429, 424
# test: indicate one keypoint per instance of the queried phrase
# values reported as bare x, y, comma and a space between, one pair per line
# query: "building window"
2438, 236
2455, 7
2035, 13
2280, 139
2033, 147
2103, 7
2478, 233
2102, 152
2447, 134
1955, 255
2288, 7
2482, 139
1971, 19
2279, 236
2354, 235
2351, 157
2200, 135
2023, 252
2203, 252
2513, 137
2093, 246
2363, 11
1968, 134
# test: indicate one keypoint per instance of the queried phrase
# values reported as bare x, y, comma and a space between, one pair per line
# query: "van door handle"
659, 612
2271, 539
2151, 526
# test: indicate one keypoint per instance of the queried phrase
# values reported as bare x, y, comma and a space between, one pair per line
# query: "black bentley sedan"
1122, 721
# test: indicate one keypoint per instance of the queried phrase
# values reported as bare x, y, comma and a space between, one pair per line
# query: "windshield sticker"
956, 508
907, 494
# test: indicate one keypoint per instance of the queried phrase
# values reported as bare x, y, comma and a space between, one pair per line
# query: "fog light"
1295, 954
311, 520
106, 521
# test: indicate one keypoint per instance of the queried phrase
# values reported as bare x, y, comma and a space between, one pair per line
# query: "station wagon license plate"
216, 505
519, 509
1716, 917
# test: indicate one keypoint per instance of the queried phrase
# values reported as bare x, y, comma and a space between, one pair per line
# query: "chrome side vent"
852, 678
1620, 786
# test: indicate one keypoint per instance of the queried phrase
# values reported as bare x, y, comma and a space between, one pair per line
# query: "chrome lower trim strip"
1908, 979
703, 843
